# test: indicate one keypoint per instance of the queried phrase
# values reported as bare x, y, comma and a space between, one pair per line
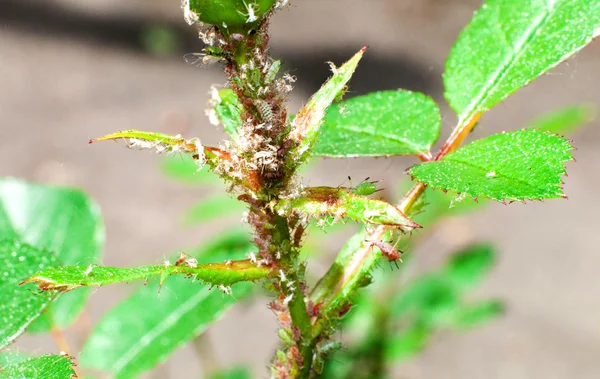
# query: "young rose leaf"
522, 165
64, 221
307, 122
228, 109
162, 143
44, 367
225, 274
565, 120
20, 306
380, 124
341, 202
509, 43
146, 328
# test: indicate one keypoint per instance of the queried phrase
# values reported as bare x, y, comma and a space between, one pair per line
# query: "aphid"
365, 188
272, 71
388, 250
209, 55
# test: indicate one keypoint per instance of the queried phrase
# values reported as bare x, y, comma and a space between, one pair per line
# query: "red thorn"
445, 191
364, 48
523, 201
91, 141
565, 197
476, 200
504, 202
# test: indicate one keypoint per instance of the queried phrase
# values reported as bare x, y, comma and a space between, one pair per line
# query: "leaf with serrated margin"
20, 306
65, 221
565, 120
215, 274
44, 367
509, 43
341, 202
521, 165
380, 124
307, 122
146, 328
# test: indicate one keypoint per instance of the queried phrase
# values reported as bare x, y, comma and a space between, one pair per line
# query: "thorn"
91, 141
364, 48
476, 199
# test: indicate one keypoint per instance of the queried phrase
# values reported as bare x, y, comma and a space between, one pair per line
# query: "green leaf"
509, 43
11, 357
307, 122
146, 328
185, 169
341, 202
470, 316
63, 220
19, 306
522, 165
235, 373
213, 207
430, 299
44, 367
468, 267
216, 274
228, 109
380, 124
408, 343
161, 143
565, 120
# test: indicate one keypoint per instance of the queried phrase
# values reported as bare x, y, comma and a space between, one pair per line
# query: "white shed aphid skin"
282, 276
288, 299
250, 12
226, 289
88, 270
252, 257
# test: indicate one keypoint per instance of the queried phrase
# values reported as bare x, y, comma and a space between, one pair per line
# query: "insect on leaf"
340, 203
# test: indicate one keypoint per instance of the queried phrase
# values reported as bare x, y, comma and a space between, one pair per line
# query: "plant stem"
458, 136
60, 340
